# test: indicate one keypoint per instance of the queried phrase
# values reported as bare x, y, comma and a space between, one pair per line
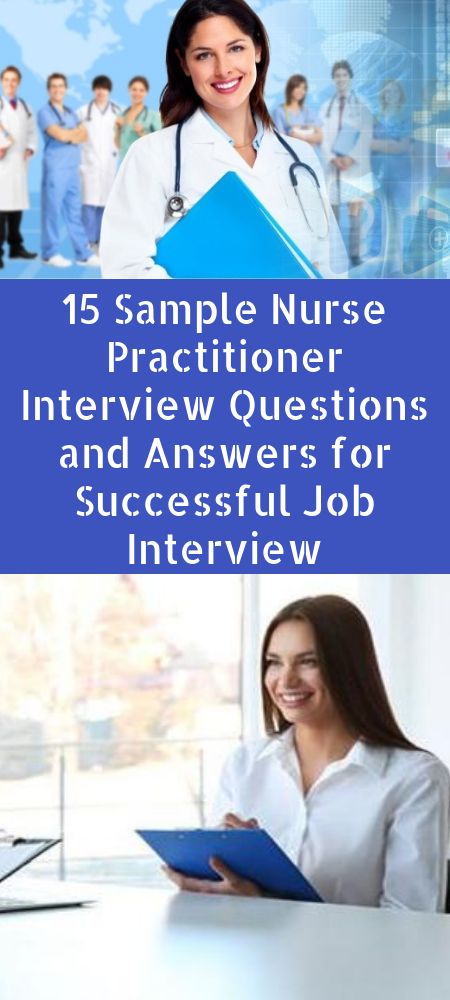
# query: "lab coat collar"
362, 754
256, 141
200, 130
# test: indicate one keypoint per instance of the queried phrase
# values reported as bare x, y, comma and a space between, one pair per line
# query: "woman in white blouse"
362, 811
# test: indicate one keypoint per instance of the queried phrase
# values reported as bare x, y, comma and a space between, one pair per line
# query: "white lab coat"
99, 155
357, 181
18, 125
135, 217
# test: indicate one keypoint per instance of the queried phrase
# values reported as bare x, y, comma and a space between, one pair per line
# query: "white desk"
150, 945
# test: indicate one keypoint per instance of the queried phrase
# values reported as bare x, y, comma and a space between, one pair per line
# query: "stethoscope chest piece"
177, 206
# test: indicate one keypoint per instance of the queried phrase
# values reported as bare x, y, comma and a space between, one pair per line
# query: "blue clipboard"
248, 242
252, 854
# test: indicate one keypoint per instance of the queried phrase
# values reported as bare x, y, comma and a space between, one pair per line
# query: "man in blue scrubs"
61, 185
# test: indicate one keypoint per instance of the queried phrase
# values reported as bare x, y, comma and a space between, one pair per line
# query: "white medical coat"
20, 126
357, 181
135, 217
99, 155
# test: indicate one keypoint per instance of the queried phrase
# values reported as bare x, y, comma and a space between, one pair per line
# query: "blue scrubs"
284, 120
393, 171
92, 216
61, 186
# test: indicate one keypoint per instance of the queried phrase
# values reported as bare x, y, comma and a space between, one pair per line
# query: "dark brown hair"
140, 79
349, 667
56, 76
179, 100
103, 82
11, 69
342, 64
293, 82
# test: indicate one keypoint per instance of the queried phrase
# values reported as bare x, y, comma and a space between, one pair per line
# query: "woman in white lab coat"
18, 141
361, 810
217, 61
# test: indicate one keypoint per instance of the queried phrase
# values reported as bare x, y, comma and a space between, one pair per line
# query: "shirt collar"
372, 758
278, 745
362, 754
256, 141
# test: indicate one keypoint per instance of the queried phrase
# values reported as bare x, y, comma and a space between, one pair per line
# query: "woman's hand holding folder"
230, 884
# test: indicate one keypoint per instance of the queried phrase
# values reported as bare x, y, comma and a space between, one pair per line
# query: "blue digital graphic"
427, 235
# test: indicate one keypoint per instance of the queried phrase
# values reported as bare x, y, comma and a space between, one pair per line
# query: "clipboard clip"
9, 840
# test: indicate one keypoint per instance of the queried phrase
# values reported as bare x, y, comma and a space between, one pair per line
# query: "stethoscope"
56, 113
19, 101
109, 106
178, 205
60, 118
350, 98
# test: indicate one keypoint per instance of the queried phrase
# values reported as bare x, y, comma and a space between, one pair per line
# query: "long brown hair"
179, 100
349, 667
295, 81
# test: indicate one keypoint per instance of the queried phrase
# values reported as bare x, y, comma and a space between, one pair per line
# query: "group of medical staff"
82, 149
363, 154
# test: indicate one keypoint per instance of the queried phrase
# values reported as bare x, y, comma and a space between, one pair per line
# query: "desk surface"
138, 944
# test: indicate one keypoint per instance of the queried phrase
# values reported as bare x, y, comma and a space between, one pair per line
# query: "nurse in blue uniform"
61, 185
391, 161
295, 117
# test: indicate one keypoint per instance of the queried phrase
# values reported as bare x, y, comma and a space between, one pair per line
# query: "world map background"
82, 38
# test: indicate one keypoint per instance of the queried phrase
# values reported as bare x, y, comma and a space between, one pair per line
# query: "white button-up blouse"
372, 831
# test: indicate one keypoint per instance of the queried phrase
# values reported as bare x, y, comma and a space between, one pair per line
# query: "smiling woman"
217, 57
355, 804
215, 121
138, 119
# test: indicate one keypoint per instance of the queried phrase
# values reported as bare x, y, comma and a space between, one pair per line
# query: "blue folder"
345, 140
230, 234
252, 854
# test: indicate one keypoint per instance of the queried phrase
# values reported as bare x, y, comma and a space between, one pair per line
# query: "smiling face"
10, 83
298, 92
138, 92
293, 678
342, 81
57, 90
221, 62
101, 96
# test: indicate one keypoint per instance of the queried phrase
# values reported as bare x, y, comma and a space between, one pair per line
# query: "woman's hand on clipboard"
230, 884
